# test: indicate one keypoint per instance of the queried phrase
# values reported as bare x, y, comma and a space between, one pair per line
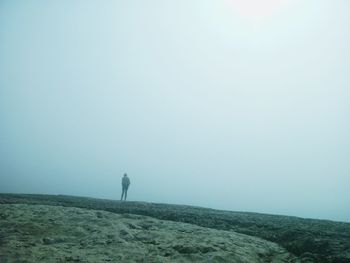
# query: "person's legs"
126, 193
121, 199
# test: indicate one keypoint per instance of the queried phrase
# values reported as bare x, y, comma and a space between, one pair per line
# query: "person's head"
125, 174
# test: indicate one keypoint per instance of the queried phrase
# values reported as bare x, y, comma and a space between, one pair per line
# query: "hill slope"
310, 240
42, 233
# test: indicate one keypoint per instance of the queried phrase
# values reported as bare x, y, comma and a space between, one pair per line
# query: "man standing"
125, 185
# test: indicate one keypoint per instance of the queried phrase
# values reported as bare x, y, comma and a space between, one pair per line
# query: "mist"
220, 104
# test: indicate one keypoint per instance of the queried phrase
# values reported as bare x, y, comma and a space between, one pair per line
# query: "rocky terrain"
42, 233
46, 228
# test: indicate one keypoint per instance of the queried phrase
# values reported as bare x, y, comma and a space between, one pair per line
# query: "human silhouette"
125, 186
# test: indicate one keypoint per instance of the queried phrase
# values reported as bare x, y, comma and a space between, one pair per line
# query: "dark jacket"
125, 182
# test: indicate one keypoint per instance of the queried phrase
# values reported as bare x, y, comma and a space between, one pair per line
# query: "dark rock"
48, 241
185, 249
99, 214
123, 232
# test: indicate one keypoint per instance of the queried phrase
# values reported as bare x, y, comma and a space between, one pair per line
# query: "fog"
225, 104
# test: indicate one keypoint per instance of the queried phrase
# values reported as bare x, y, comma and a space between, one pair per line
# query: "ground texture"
42, 233
43, 228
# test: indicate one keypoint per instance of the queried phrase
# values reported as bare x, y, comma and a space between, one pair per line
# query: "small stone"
123, 232
99, 214
48, 240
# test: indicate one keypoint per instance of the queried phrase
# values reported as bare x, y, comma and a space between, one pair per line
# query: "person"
125, 186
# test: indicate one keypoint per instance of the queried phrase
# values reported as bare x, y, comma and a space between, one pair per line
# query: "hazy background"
238, 105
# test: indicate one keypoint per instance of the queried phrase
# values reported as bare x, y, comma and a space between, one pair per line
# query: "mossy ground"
308, 239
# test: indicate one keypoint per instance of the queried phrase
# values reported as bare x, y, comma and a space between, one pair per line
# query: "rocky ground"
42, 233
43, 228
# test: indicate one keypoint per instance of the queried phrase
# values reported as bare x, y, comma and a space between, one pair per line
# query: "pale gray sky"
227, 104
